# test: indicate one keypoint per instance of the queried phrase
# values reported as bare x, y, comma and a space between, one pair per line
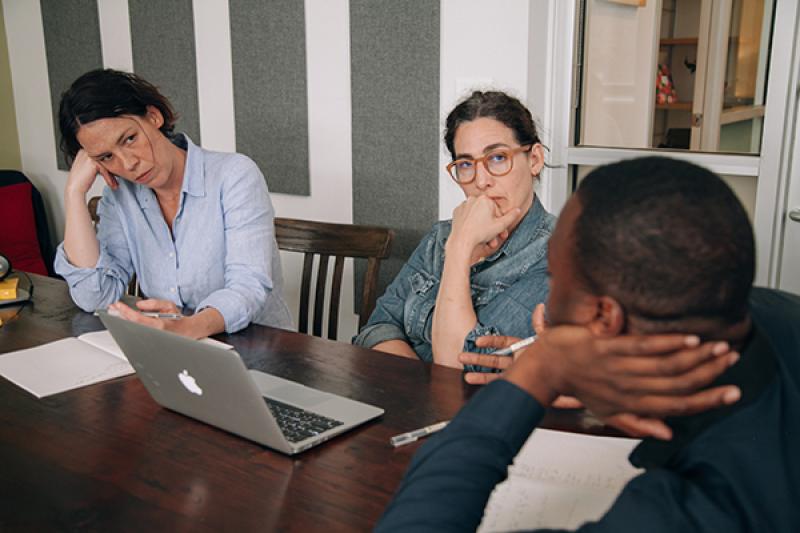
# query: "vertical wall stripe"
72, 45
269, 88
9, 139
395, 92
115, 34
214, 85
164, 55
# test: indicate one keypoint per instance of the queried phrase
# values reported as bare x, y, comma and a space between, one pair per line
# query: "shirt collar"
194, 179
753, 373
524, 232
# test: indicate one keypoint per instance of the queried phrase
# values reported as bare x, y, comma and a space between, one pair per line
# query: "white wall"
476, 51
479, 50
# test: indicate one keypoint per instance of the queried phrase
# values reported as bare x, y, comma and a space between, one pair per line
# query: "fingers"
538, 320
505, 221
157, 306
127, 313
640, 427
638, 345
481, 378
500, 362
680, 362
110, 180
496, 341
567, 402
664, 406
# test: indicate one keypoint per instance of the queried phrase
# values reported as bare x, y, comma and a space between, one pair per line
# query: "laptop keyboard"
298, 424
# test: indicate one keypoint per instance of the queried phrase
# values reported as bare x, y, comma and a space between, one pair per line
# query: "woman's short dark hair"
107, 93
492, 104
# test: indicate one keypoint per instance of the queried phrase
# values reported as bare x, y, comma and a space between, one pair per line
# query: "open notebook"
69, 363
560, 480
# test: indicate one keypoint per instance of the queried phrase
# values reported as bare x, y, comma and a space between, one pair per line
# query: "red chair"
24, 235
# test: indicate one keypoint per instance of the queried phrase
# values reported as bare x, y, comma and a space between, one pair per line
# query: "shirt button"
171, 255
172, 289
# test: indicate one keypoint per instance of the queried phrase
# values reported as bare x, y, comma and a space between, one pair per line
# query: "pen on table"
170, 316
413, 436
517, 346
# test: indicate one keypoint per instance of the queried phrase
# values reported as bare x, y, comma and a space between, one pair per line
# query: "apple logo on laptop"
189, 382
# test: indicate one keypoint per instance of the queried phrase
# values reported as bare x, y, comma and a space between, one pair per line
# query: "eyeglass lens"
497, 163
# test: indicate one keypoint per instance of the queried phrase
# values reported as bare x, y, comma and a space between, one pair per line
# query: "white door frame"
771, 167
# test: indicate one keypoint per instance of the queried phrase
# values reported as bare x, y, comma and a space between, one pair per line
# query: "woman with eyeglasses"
484, 271
195, 226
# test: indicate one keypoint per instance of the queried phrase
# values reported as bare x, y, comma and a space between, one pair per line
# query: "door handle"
794, 214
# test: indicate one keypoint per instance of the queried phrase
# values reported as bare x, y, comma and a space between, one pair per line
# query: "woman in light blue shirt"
195, 226
484, 271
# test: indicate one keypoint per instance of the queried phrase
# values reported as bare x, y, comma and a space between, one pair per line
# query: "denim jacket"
506, 287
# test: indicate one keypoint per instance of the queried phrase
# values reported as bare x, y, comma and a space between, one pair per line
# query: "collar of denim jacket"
524, 232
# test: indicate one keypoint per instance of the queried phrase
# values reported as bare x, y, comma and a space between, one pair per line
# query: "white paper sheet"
560, 480
61, 366
70, 363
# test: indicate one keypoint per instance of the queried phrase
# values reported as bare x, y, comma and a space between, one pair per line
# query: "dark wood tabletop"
108, 458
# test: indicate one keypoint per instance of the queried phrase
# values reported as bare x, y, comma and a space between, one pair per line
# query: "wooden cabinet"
716, 52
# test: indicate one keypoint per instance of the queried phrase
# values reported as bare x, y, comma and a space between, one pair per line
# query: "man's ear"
609, 320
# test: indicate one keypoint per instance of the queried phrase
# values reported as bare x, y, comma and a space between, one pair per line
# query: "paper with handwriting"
560, 480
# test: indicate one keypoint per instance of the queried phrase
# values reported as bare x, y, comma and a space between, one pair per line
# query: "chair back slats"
319, 293
336, 291
93, 201
368, 294
305, 292
339, 241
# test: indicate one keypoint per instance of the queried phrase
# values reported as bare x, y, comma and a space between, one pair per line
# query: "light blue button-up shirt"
221, 253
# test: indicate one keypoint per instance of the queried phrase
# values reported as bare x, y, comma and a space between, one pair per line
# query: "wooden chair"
333, 240
133, 285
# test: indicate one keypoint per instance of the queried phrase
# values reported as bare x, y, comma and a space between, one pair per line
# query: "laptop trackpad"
298, 395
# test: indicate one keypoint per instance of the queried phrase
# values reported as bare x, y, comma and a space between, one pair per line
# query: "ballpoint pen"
172, 316
517, 346
151, 314
412, 436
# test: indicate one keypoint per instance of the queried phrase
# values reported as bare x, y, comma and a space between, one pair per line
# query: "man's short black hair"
667, 239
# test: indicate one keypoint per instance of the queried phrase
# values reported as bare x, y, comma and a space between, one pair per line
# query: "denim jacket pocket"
419, 306
483, 295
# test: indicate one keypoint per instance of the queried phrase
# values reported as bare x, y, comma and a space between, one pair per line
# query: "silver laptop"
212, 384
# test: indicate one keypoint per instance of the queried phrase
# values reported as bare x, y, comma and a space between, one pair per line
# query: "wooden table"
107, 457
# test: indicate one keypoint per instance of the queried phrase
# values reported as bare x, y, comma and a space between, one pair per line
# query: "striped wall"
341, 103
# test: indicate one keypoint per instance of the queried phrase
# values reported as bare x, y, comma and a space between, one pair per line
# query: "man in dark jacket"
645, 246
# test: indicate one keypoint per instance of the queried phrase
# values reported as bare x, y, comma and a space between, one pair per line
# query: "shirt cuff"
469, 346
378, 333
503, 410
93, 287
231, 306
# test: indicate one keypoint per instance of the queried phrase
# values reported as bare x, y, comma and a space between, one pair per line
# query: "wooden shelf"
741, 113
676, 41
682, 106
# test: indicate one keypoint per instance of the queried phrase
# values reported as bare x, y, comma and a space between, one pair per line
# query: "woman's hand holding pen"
159, 314
502, 362
197, 326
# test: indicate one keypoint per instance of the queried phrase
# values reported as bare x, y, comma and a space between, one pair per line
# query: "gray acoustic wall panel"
396, 131
269, 90
162, 35
72, 46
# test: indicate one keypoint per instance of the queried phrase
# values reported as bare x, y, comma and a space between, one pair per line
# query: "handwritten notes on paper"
560, 480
